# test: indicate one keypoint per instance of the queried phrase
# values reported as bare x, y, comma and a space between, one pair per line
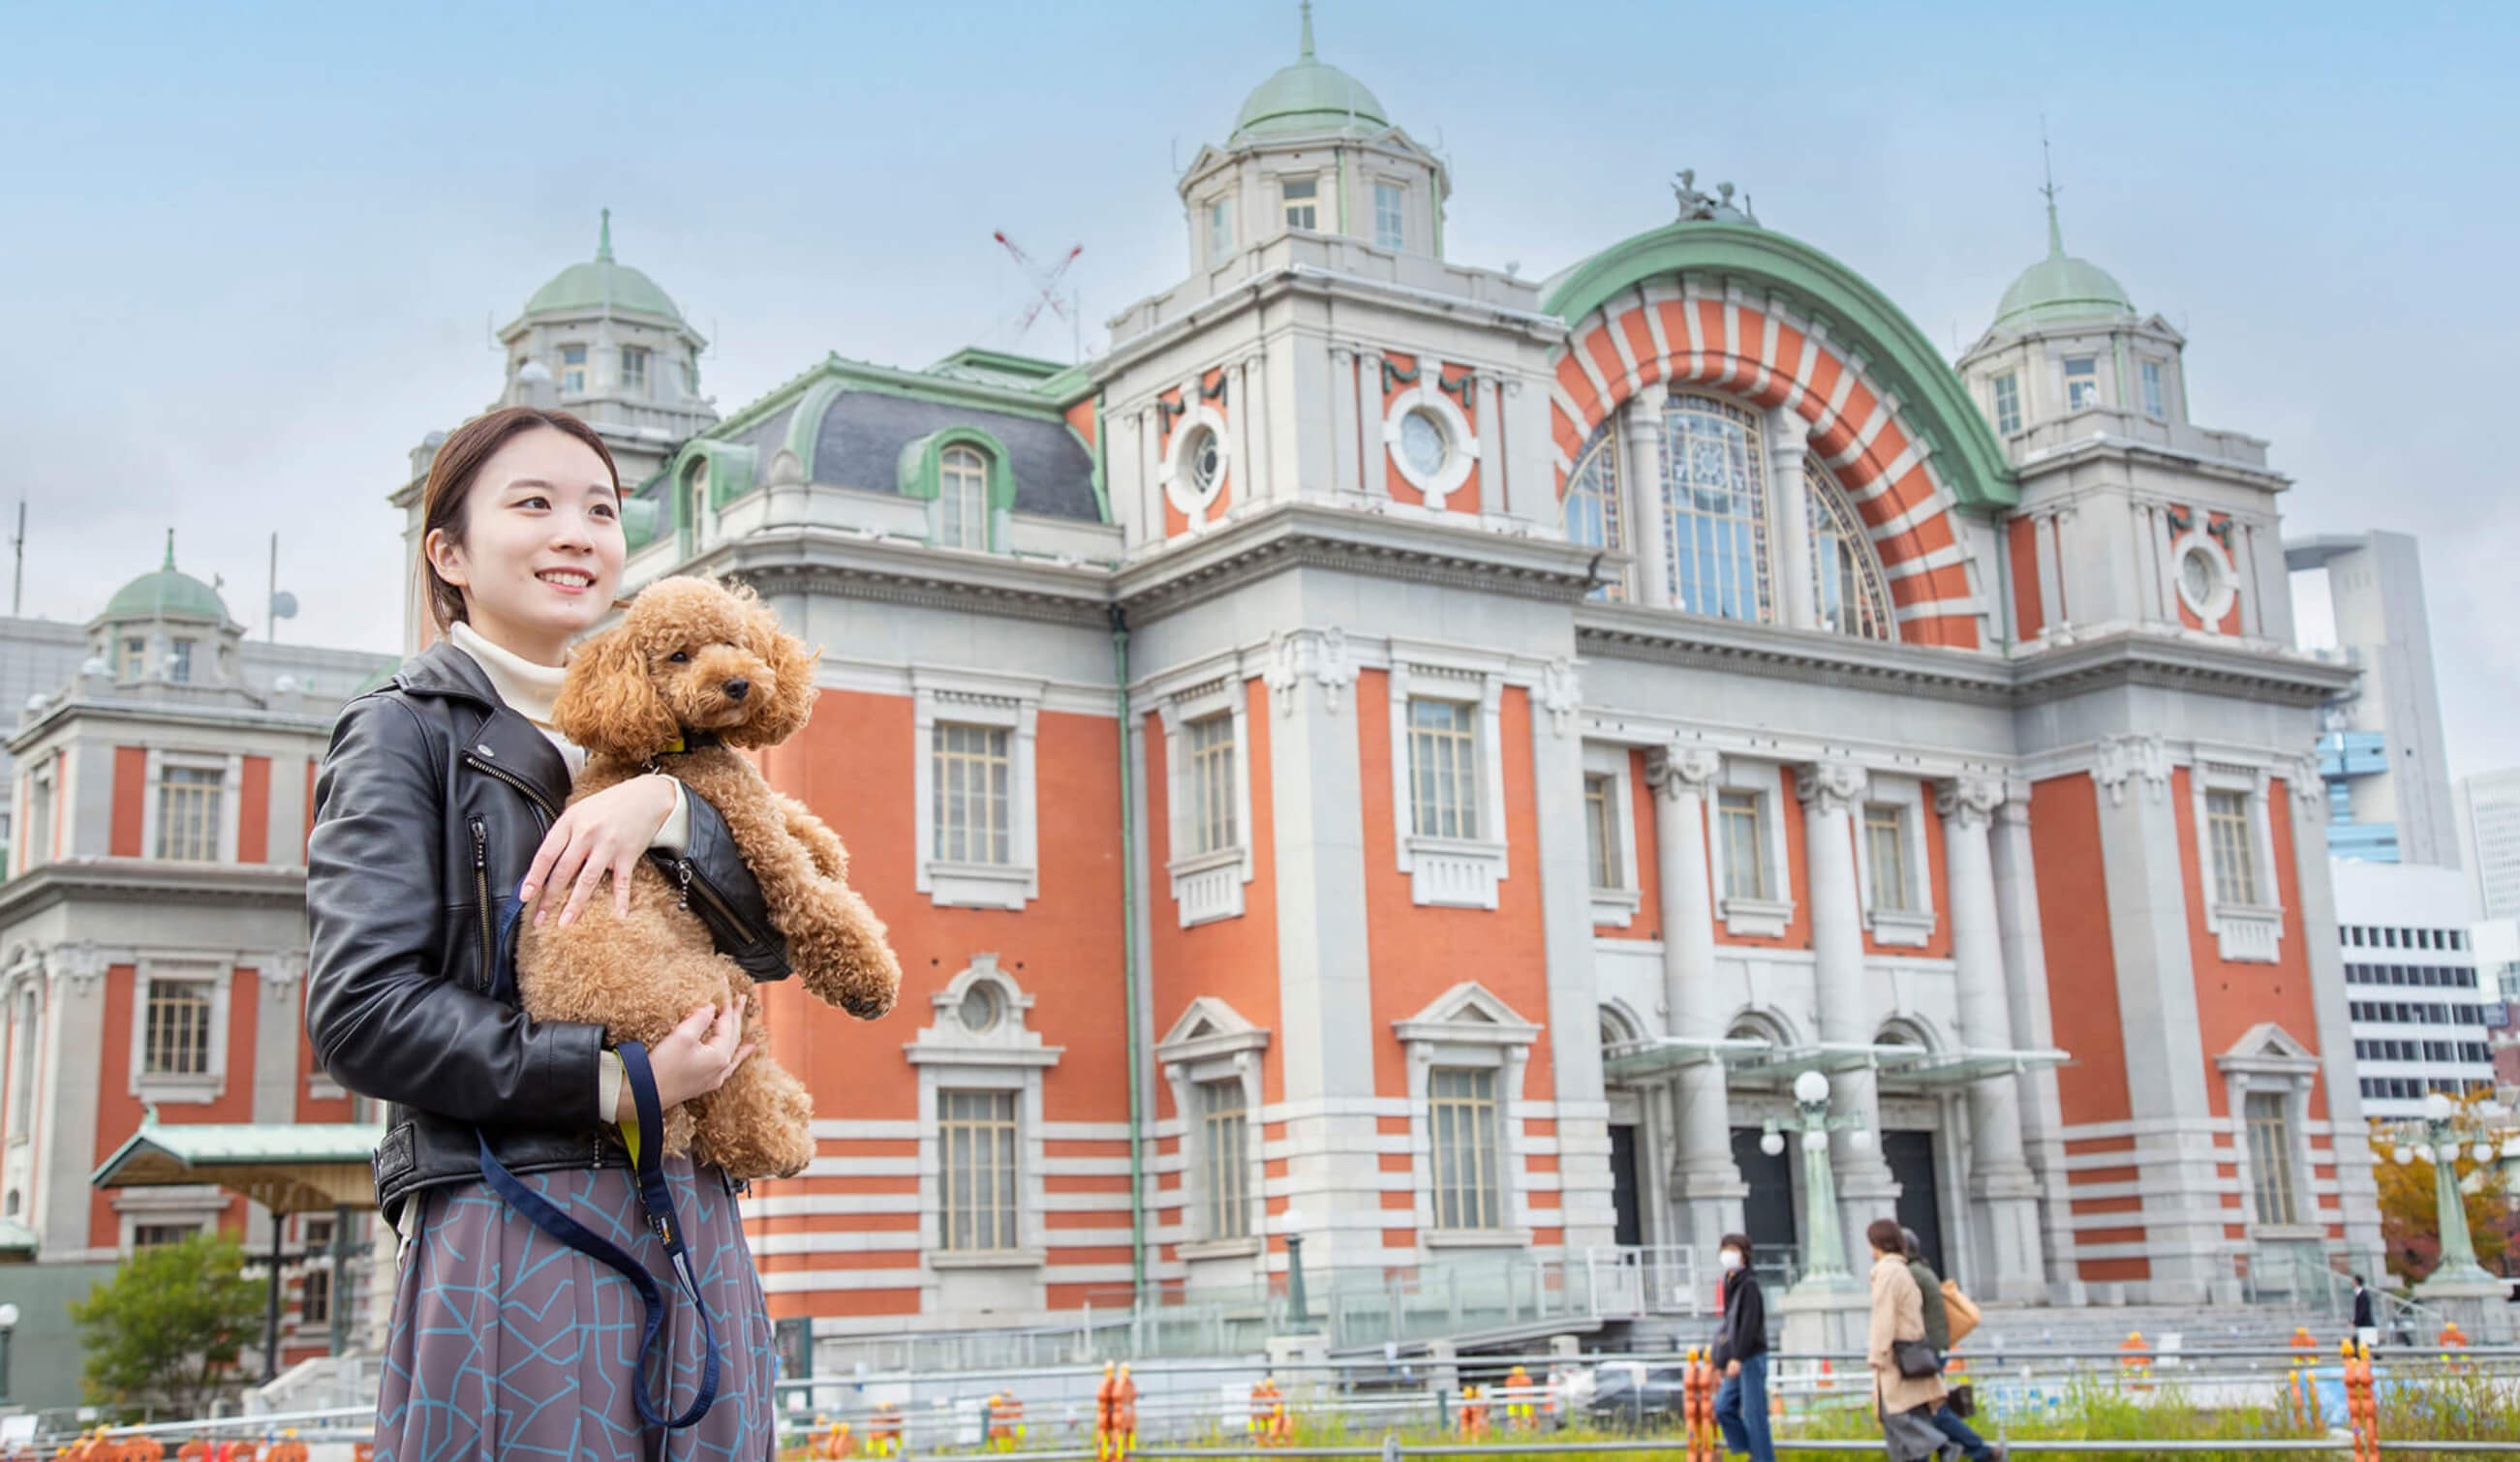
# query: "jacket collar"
505, 740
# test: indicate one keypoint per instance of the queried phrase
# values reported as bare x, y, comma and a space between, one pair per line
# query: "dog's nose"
738, 688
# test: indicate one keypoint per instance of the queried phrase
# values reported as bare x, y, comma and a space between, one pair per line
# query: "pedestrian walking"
1741, 1356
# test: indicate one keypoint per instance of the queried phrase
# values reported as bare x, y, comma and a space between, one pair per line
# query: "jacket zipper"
548, 812
481, 893
692, 883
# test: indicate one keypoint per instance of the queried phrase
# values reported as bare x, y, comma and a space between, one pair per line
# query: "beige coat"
1898, 1313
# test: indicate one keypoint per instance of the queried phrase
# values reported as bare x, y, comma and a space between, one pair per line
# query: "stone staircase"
2187, 1327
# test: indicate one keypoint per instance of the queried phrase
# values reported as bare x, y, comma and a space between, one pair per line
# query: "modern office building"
2380, 743
2489, 830
2426, 1008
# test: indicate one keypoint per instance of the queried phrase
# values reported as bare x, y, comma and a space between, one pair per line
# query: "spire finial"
603, 241
2048, 165
170, 547
1308, 29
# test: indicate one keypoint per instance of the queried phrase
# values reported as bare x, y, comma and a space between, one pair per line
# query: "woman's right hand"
694, 1060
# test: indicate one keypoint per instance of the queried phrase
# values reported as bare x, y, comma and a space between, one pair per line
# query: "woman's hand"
607, 833
694, 1060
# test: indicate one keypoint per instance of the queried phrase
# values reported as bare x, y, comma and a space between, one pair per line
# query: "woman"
438, 825
1906, 1402
1742, 1355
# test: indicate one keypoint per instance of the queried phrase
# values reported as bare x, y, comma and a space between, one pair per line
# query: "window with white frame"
1851, 594
1209, 786
1387, 229
1225, 1159
2271, 1182
1591, 510
1601, 829
135, 658
973, 784
1213, 804
1890, 860
40, 796
2153, 404
2082, 382
2234, 857
2008, 403
1220, 229
1715, 503
572, 370
963, 498
977, 1130
161, 1235
176, 1040
1742, 834
697, 512
1461, 1113
1610, 835
189, 801
1448, 771
634, 370
315, 1296
1747, 839
1301, 199
2268, 1077
1885, 845
179, 665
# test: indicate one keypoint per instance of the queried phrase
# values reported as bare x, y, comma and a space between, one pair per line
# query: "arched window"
1853, 595
1715, 499
963, 498
695, 501
1591, 510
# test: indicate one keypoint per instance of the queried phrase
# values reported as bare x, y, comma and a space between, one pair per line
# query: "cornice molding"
131, 880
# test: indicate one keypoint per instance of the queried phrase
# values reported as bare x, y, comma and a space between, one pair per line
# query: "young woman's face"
542, 550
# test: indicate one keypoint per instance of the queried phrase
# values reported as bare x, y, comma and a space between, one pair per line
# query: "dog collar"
684, 743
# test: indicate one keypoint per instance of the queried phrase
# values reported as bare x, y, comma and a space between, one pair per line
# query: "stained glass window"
1715, 501
1852, 593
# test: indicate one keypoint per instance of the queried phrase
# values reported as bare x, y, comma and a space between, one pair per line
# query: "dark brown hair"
1740, 1241
1883, 1236
451, 475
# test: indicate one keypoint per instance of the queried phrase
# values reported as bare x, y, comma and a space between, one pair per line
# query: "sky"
250, 254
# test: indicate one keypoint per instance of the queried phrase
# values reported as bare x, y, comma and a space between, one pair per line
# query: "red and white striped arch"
1695, 331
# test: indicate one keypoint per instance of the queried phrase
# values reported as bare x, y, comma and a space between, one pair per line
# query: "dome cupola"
2061, 286
603, 283
168, 592
1308, 99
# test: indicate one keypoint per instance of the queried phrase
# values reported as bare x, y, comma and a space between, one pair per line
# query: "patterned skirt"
507, 1342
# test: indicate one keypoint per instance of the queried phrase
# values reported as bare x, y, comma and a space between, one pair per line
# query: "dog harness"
656, 1201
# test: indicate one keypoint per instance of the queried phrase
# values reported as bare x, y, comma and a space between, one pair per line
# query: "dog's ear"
791, 667
609, 704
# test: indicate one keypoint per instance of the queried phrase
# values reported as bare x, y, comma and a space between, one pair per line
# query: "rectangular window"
315, 1297
154, 1235
634, 370
179, 666
1302, 196
1745, 852
1220, 230
572, 370
2081, 383
2152, 406
1211, 780
176, 1039
135, 658
1386, 214
1224, 1158
1461, 1115
977, 1138
971, 771
1885, 849
188, 813
39, 817
2235, 866
2008, 403
2271, 1156
1443, 769
1601, 829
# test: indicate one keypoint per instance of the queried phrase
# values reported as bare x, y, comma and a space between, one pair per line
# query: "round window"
2199, 576
980, 1009
1423, 443
1206, 461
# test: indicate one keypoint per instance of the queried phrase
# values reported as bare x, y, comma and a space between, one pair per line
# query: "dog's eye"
678, 656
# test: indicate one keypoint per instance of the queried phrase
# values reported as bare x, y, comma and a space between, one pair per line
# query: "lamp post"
8, 1323
1294, 1220
1824, 1270
2439, 1137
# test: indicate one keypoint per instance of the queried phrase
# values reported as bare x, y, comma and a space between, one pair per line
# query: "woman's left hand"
607, 833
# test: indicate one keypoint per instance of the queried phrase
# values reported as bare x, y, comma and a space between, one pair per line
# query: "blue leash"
657, 1200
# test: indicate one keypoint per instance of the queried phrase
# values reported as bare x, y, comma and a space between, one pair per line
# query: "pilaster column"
1254, 408
1789, 438
2004, 1198
1641, 420
1342, 419
1370, 453
1831, 791
2025, 976
1706, 1187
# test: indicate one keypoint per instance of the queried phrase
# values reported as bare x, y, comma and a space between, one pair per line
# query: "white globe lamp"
1811, 1087
2437, 1107
1772, 1143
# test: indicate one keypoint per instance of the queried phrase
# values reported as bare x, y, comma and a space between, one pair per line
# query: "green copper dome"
602, 283
2061, 286
1306, 98
167, 592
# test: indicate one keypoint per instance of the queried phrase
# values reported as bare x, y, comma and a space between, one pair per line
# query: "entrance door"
1629, 1222
1767, 1213
1910, 1156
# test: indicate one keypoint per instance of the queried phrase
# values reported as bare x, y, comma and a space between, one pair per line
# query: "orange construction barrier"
1828, 1375
365, 1451
197, 1451
1005, 1421
2137, 1358
1518, 1412
151, 1450
287, 1449
884, 1430
1271, 1425
1115, 1414
2362, 1404
1697, 1408
1474, 1414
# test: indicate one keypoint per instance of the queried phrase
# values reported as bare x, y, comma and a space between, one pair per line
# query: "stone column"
1831, 791
1641, 420
2003, 1196
1706, 1187
1788, 437
2025, 973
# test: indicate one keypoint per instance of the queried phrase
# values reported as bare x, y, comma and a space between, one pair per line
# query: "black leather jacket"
431, 802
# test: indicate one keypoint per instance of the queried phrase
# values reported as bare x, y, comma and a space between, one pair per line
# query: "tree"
2409, 1228
171, 1324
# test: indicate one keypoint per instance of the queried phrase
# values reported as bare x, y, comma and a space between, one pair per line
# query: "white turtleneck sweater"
530, 690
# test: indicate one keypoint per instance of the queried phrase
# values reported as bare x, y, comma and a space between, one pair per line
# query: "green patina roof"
2061, 286
600, 284
167, 592
290, 1167
1308, 97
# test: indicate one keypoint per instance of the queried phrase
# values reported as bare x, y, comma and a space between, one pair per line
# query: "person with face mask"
1741, 1356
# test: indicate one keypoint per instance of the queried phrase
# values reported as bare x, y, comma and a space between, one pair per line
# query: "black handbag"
1915, 1359
1962, 1401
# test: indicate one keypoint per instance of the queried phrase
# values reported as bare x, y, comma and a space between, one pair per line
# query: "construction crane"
1046, 291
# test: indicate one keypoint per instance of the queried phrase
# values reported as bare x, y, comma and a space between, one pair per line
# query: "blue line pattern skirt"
507, 1342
